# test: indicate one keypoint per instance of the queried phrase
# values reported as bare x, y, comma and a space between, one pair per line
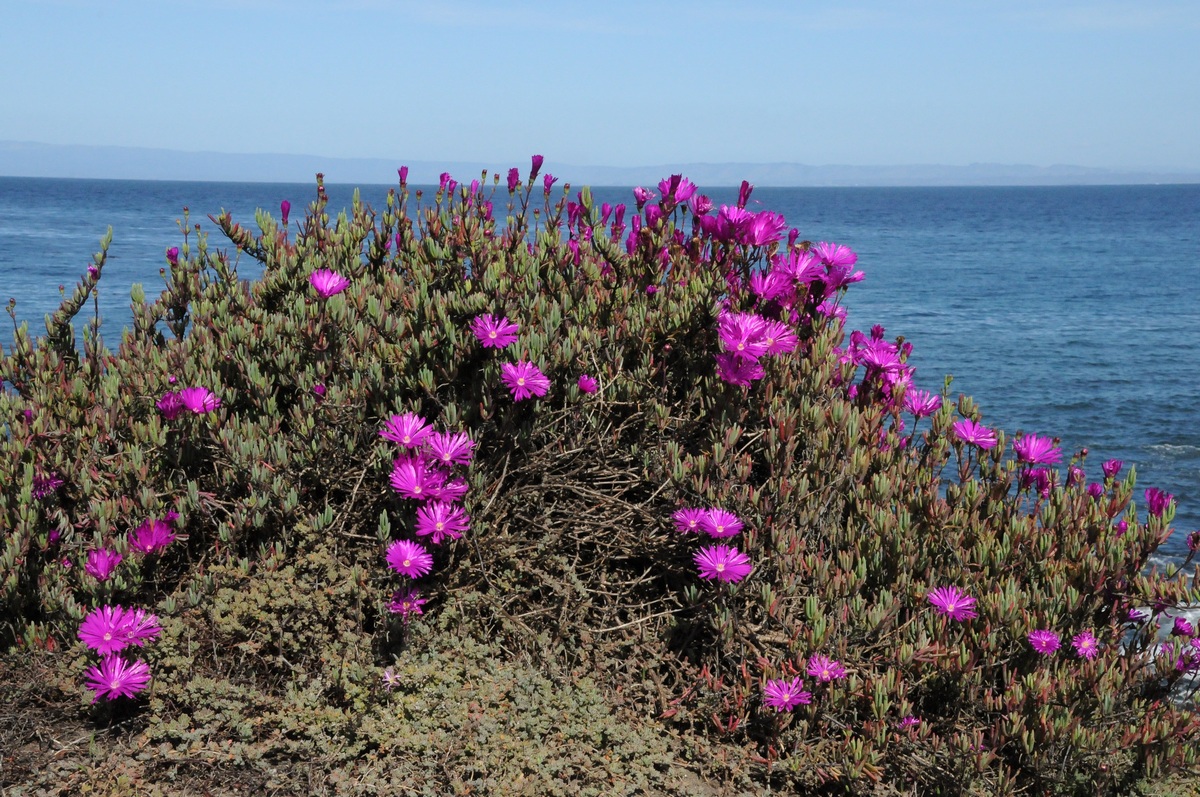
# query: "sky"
1112, 85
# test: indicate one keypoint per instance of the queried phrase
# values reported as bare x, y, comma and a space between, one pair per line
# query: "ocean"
1064, 311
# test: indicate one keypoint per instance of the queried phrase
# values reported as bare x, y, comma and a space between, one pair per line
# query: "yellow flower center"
721, 567
408, 562
521, 381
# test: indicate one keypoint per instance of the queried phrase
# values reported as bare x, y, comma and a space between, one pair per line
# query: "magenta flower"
688, 520
722, 563
1111, 467
141, 627
784, 695
450, 491
1044, 642
406, 602
953, 602
909, 722
327, 283
106, 629
1036, 450
115, 677
921, 403
1085, 645
409, 430
45, 485
536, 164
825, 669
524, 380
409, 559
390, 678
451, 448
1095, 490
101, 563
1158, 501
494, 333
402, 173
1182, 627
737, 370
173, 255
199, 400
514, 179
413, 478
319, 390
170, 405
439, 520
152, 536
285, 208
974, 433
779, 338
742, 334
587, 384
720, 523
835, 254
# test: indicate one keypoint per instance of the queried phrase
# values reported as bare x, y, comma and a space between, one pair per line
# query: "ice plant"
1182, 627
152, 536
406, 602
1111, 467
451, 448
720, 523
494, 333
1034, 450
409, 430
413, 478
974, 433
587, 384
140, 627
1085, 645
409, 558
106, 629
285, 209
783, 695
199, 400
524, 380
327, 283
688, 520
101, 563
115, 677
921, 403
170, 405
439, 520
723, 563
1044, 642
45, 485
953, 602
1158, 500
825, 669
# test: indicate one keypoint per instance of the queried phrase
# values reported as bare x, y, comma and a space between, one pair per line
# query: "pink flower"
44, 485
825, 669
536, 164
494, 333
327, 283
909, 722
101, 563
285, 208
1158, 501
173, 255
835, 254
921, 403
390, 678
720, 523
450, 491
1036, 450
413, 478
587, 384
1111, 467
1086, 645
409, 559
152, 536
1044, 642
514, 179
974, 433
1182, 627
106, 629
742, 334
319, 390
199, 400
524, 380
115, 677
406, 602
953, 602
784, 695
409, 430
722, 563
141, 627
170, 405
451, 448
779, 338
737, 370
440, 520
688, 521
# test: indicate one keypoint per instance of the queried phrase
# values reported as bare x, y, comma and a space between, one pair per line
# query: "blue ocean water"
1064, 311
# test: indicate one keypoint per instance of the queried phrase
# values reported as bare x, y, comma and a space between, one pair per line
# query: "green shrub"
275, 626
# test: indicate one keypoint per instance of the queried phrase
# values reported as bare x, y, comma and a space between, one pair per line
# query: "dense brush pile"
457, 487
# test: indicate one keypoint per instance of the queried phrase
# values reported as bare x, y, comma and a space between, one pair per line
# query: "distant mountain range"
25, 159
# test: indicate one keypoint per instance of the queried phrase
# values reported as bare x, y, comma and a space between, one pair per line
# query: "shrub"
882, 607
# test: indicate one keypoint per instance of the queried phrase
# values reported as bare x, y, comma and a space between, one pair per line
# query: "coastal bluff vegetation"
499, 490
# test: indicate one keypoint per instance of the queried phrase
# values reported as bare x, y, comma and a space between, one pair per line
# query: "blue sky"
1104, 84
